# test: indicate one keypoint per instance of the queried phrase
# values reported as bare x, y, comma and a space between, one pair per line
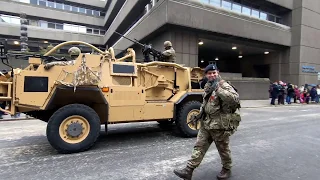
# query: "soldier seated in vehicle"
74, 52
169, 54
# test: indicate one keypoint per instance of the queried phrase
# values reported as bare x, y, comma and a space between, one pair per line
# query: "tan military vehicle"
99, 89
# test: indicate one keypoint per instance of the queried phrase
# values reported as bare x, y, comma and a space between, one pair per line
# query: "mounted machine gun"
146, 50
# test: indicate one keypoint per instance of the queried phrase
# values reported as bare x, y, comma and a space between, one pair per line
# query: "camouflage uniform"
220, 122
169, 54
215, 128
73, 52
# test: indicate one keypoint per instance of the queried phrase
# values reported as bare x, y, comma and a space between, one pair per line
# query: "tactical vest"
221, 115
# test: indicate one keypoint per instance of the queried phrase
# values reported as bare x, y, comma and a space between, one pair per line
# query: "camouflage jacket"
218, 108
61, 63
170, 55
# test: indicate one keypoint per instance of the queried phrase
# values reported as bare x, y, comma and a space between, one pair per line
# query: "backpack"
235, 104
231, 121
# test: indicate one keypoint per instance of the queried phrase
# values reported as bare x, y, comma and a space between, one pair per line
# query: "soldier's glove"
215, 86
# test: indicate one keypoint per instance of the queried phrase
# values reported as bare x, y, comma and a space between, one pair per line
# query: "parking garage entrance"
238, 58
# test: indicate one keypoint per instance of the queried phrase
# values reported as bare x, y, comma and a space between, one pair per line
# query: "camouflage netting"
83, 75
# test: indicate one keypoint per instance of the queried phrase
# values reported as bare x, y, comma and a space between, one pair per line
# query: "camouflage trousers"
204, 140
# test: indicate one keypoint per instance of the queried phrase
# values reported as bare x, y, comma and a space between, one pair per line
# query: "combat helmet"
167, 44
74, 51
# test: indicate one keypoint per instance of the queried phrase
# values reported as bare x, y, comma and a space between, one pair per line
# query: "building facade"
276, 39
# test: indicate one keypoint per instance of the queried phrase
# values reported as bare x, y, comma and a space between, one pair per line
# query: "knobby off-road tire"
192, 107
73, 128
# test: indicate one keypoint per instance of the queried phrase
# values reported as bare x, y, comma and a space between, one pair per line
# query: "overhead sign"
309, 69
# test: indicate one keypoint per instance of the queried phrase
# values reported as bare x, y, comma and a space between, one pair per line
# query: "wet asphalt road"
272, 143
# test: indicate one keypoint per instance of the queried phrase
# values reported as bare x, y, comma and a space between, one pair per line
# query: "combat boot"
185, 173
224, 174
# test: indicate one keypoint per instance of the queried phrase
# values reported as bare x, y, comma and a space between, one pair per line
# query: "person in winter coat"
296, 94
281, 93
290, 93
313, 93
274, 91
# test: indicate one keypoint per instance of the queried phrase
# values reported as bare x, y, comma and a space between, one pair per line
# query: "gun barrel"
137, 42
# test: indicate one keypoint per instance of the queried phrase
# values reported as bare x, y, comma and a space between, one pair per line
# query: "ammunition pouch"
230, 121
224, 121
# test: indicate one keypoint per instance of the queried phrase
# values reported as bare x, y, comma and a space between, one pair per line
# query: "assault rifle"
146, 50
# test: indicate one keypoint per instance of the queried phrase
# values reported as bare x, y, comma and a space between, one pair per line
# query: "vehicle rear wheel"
183, 117
73, 128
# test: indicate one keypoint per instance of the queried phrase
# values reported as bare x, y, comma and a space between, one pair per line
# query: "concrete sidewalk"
266, 103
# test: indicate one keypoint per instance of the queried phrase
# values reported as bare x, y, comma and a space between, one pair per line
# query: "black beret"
210, 67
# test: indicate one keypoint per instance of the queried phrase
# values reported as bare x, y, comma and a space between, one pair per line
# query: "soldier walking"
219, 118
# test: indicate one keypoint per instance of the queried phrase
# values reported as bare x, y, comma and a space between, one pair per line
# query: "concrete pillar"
305, 48
186, 46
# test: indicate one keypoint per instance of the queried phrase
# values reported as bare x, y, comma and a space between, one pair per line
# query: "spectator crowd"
286, 93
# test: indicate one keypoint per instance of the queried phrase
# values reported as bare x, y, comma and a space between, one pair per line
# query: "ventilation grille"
126, 81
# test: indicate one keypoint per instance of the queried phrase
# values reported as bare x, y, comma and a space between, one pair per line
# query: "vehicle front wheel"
73, 128
183, 117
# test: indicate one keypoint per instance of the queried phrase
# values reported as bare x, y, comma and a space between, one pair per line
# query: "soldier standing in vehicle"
219, 120
74, 52
169, 53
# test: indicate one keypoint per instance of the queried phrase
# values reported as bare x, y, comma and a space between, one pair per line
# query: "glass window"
82, 29
96, 31
75, 28
59, 26
236, 7
82, 10
102, 32
89, 31
89, 12
25, 1
15, 21
255, 13
2, 19
278, 20
67, 27
5, 19
35, 2
42, 3
74, 9
215, 2
51, 25
226, 5
204, 1
102, 14
43, 24
263, 16
246, 11
59, 6
67, 7
96, 13
33, 22
51, 4
271, 18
